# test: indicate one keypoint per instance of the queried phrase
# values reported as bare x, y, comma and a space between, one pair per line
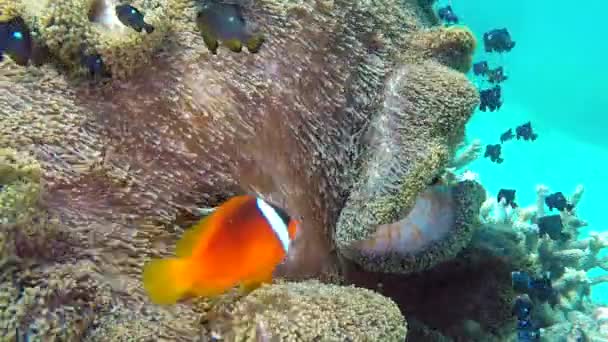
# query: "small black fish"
526, 132
506, 136
490, 99
522, 307
527, 331
558, 201
498, 40
94, 65
493, 152
447, 14
508, 195
480, 68
538, 288
542, 289
552, 225
224, 23
16, 40
496, 76
132, 17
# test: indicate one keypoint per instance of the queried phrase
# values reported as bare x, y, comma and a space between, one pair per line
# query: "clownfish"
240, 243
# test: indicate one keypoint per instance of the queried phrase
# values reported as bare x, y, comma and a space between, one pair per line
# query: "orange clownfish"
240, 243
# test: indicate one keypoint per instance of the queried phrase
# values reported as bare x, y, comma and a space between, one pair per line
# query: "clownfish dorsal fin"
189, 240
192, 237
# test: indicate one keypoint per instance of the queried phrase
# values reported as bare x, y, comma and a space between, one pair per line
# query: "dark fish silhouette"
132, 17
493, 152
558, 201
508, 195
480, 68
506, 136
526, 132
498, 40
538, 288
222, 22
15, 41
527, 331
496, 76
447, 15
522, 306
490, 99
552, 225
94, 64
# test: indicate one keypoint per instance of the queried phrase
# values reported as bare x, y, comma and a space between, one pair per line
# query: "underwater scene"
303, 170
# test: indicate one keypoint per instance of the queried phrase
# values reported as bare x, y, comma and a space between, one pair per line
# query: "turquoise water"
557, 80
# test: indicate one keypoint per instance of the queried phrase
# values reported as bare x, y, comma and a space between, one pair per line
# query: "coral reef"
20, 186
71, 29
308, 311
476, 282
452, 46
471, 287
124, 164
513, 234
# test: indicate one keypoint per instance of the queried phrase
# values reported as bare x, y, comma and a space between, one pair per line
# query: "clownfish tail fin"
167, 281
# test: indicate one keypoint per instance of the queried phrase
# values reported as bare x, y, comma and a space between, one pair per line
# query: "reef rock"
309, 311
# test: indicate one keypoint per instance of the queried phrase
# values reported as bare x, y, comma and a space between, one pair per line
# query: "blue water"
557, 80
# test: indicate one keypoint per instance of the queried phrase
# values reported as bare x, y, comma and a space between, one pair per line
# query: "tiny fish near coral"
224, 22
93, 63
132, 17
16, 40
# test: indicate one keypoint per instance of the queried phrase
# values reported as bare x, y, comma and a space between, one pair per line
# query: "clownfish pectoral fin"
253, 284
168, 280
188, 241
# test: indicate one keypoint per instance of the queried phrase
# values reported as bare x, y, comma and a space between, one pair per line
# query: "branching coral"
552, 255
514, 235
310, 311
